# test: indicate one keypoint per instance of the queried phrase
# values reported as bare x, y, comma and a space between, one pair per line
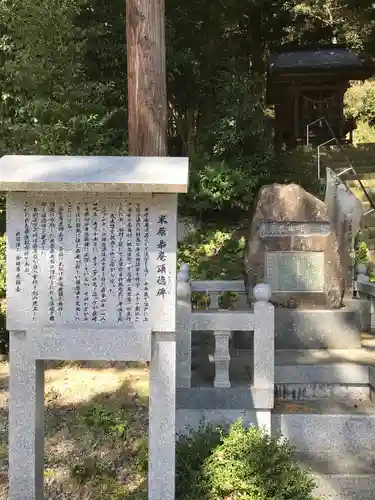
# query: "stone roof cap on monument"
110, 174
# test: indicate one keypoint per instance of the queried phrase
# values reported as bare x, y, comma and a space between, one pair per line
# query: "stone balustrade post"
222, 358
183, 328
360, 274
214, 300
264, 338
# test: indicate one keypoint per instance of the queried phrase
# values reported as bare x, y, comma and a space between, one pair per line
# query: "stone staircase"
324, 407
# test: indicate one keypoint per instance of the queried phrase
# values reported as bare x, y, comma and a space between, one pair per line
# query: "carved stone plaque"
295, 271
92, 259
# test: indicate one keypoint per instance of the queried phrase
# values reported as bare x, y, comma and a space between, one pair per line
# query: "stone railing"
366, 289
260, 319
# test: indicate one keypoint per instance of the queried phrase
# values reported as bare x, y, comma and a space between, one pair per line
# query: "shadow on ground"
96, 427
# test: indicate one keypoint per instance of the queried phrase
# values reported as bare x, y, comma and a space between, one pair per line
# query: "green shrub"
219, 186
242, 464
361, 250
191, 453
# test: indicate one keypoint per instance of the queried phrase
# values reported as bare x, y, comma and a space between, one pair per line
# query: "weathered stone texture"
305, 227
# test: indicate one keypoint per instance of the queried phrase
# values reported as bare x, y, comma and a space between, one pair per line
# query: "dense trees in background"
63, 80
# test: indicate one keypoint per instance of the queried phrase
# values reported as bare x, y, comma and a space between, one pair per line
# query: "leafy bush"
361, 249
192, 451
217, 186
213, 253
246, 464
361, 254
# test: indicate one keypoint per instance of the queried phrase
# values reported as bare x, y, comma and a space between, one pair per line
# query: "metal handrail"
351, 167
308, 130
320, 146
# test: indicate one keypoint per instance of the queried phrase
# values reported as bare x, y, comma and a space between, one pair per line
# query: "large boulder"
293, 246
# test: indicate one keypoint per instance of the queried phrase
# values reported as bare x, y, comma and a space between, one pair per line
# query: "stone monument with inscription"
91, 275
295, 247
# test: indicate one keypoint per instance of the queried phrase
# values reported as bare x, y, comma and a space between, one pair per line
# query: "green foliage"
48, 104
113, 424
89, 467
105, 426
245, 464
192, 451
360, 104
367, 110
212, 253
361, 253
218, 186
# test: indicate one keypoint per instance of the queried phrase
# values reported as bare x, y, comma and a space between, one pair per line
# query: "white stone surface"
26, 421
222, 359
218, 286
264, 345
91, 260
262, 292
187, 420
84, 344
361, 268
162, 415
183, 329
94, 173
342, 202
223, 320
90, 277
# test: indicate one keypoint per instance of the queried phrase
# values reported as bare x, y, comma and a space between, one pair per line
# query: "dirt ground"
96, 423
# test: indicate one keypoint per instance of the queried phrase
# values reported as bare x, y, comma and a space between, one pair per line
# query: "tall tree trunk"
147, 86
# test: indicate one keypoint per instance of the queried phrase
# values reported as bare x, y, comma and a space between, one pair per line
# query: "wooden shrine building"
307, 84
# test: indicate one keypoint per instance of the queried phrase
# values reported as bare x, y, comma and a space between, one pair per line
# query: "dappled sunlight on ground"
96, 424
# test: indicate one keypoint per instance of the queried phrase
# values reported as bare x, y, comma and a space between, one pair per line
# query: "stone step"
300, 373
345, 486
331, 437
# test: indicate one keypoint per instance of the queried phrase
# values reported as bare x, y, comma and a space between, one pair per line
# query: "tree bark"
147, 85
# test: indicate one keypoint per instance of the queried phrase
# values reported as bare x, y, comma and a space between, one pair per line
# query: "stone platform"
322, 329
324, 406
336, 440
317, 328
345, 486
343, 367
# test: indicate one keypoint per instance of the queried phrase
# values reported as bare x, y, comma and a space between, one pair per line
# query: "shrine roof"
94, 174
324, 59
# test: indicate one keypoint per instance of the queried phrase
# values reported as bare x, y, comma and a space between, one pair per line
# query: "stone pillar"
222, 359
214, 300
264, 346
162, 402
183, 321
162, 411
26, 421
360, 275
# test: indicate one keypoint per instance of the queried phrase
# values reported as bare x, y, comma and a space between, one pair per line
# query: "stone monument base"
317, 328
322, 328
